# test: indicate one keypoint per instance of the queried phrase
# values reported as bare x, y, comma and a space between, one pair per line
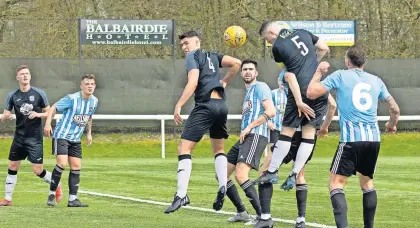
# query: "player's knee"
337, 181
183, 148
366, 185
37, 169
288, 131
14, 166
241, 176
62, 164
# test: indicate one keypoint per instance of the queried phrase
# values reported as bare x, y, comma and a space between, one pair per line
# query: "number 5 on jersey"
300, 44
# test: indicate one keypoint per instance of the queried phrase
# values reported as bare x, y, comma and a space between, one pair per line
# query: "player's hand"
389, 128
323, 132
323, 67
48, 130
223, 83
306, 110
33, 115
6, 116
271, 126
177, 115
89, 139
243, 134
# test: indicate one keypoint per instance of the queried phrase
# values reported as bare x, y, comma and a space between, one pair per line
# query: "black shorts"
274, 136
31, 148
207, 116
352, 157
291, 116
249, 152
66, 147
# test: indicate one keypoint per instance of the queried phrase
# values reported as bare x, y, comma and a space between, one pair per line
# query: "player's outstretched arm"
321, 49
394, 114
234, 64
290, 78
332, 107
315, 88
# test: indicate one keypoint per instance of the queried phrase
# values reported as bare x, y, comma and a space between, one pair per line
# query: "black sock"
56, 177
301, 198
338, 200
265, 192
74, 180
11, 172
369, 207
252, 195
232, 193
42, 174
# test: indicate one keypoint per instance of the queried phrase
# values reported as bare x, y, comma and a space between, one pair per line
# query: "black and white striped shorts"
249, 152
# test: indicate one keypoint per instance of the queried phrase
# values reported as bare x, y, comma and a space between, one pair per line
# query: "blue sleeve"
64, 103
273, 96
281, 77
263, 92
96, 106
332, 81
9, 102
383, 93
191, 61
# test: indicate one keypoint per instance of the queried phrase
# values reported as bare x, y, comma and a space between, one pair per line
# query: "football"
235, 36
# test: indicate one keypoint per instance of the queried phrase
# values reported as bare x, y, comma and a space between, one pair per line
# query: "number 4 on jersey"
211, 66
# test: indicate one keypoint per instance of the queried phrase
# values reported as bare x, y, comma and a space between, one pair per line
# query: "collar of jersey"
250, 85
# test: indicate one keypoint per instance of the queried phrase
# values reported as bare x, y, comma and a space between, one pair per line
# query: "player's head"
190, 41
249, 71
23, 75
88, 84
355, 57
270, 30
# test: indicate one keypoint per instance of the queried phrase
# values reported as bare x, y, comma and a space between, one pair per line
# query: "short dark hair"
247, 61
189, 34
357, 55
21, 67
263, 27
89, 76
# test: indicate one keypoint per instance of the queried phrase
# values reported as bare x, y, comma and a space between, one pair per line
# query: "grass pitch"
130, 165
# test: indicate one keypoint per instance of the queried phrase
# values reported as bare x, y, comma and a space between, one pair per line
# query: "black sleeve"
313, 37
277, 54
220, 57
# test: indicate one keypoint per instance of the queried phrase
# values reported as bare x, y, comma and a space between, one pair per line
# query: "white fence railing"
163, 118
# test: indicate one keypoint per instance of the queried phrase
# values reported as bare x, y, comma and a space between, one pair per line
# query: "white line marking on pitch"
194, 208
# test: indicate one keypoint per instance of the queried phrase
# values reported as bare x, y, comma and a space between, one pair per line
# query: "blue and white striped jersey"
357, 99
279, 100
76, 114
252, 107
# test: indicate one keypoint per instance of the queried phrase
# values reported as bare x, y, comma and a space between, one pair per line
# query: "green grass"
130, 165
